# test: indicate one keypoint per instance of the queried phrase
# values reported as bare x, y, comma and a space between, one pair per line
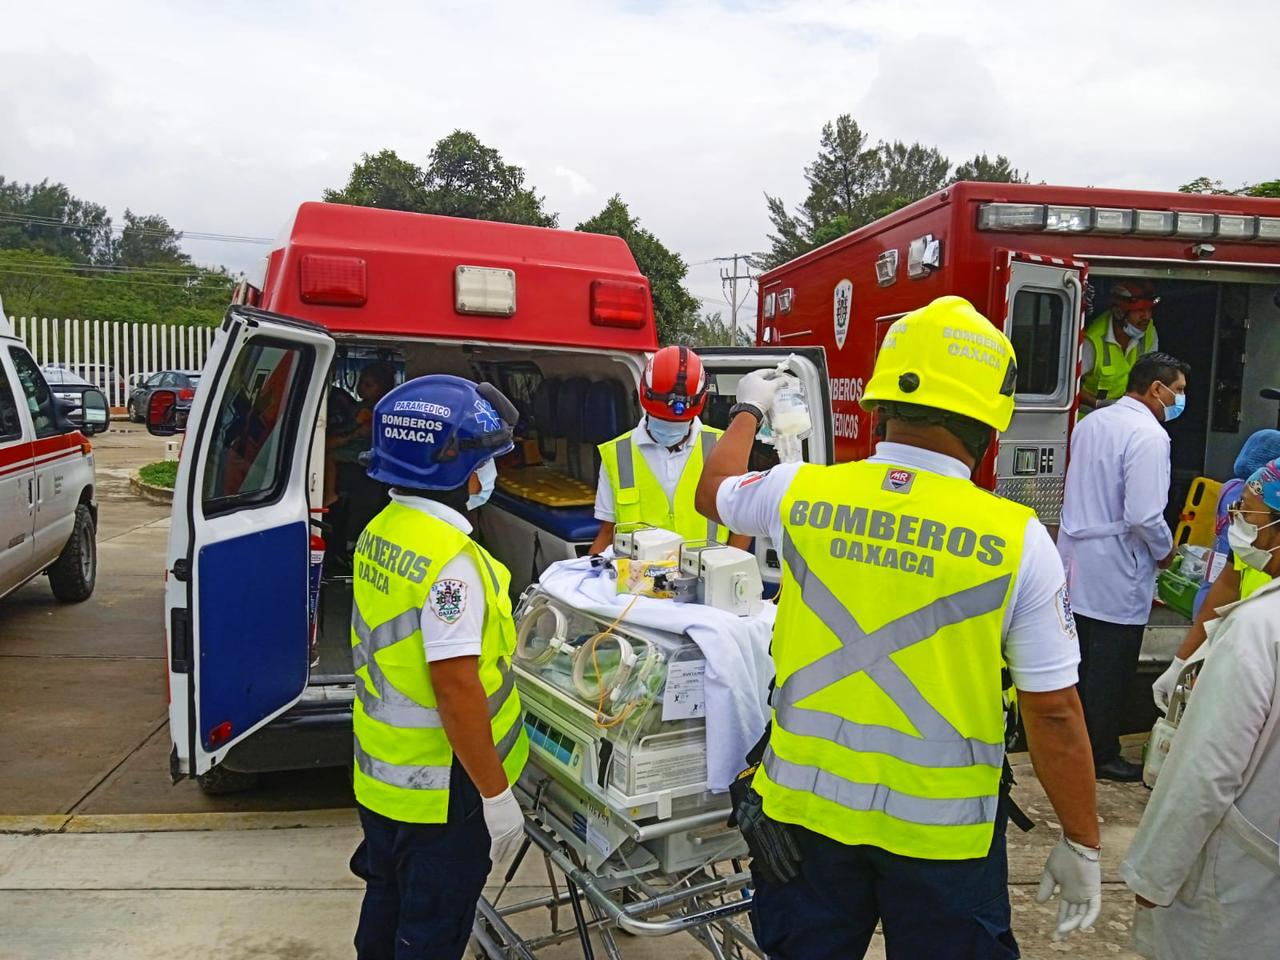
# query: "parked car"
183, 381
48, 509
100, 375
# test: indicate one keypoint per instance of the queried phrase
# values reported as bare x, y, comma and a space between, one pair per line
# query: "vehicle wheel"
74, 573
133, 413
220, 781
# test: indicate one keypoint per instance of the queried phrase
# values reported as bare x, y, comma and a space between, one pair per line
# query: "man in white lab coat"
1205, 865
1112, 538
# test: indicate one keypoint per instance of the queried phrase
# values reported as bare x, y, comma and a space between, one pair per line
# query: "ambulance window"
1037, 340
10, 423
256, 424
38, 396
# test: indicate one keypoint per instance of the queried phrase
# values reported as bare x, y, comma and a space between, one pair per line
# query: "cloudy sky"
224, 116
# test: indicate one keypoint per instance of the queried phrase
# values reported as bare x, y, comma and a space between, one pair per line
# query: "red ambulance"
561, 321
1040, 261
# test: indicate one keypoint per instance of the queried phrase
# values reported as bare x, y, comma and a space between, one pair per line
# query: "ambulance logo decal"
448, 600
840, 310
898, 480
487, 417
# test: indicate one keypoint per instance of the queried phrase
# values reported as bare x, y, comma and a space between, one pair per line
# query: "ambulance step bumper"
312, 734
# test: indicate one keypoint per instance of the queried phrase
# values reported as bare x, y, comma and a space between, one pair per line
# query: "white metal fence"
108, 353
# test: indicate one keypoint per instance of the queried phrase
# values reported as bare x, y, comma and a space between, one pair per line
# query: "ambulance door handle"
31, 493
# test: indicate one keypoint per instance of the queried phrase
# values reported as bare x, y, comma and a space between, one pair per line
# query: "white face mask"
669, 433
1241, 535
487, 473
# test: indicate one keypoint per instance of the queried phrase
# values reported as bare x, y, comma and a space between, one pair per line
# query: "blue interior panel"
253, 627
565, 523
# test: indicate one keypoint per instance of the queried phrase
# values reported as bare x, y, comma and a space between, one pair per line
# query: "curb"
149, 491
36, 824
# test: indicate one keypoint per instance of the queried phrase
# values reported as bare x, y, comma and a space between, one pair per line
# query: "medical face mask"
1241, 535
1133, 332
487, 474
668, 433
1174, 411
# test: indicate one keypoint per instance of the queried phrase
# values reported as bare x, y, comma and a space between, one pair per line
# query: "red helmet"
674, 386
1130, 295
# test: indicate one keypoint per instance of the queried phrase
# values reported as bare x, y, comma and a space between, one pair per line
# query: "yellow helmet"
949, 356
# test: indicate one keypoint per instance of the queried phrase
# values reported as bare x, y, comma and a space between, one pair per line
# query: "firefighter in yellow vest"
648, 475
439, 736
907, 592
1114, 340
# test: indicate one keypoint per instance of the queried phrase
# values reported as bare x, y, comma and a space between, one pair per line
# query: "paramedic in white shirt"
1205, 865
1112, 538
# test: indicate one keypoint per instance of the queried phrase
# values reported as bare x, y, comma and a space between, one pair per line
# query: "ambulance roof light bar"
1054, 218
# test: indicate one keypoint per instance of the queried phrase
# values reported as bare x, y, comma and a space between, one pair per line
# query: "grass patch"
161, 474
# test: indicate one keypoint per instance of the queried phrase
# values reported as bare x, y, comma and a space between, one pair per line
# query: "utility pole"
729, 278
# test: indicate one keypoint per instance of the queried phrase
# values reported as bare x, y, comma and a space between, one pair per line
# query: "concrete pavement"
102, 857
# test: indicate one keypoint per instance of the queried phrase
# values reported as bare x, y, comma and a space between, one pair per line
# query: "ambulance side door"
237, 578
1042, 314
725, 367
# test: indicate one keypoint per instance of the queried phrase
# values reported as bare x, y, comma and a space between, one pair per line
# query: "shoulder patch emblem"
448, 600
750, 478
897, 480
1065, 617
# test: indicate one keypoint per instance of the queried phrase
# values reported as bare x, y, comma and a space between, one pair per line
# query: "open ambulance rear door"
727, 365
1040, 307
236, 595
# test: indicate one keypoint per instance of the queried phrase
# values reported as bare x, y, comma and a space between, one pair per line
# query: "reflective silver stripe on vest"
505, 745
939, 743
626, 464
931, 811
707, 440
398, 775
390, 706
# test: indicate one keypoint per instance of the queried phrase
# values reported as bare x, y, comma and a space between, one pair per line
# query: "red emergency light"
619, 303
335, 281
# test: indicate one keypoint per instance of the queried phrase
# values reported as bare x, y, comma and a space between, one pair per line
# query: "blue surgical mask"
487, 473
1174, 411
668, 433
1133, 332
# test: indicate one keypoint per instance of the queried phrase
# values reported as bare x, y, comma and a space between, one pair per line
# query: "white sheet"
736, 683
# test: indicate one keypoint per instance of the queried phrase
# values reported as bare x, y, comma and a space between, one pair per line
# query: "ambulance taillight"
619, 303
335, 281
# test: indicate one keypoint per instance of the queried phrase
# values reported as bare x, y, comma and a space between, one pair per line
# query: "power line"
79, 269
33, 220
136, 283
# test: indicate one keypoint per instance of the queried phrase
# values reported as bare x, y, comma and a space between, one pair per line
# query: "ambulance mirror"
163, 416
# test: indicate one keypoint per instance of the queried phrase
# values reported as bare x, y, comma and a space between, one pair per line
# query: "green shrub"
161, 474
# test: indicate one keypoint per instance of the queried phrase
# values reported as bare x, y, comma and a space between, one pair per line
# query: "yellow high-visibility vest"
403, 757
638, 497
1109, 378
888, 711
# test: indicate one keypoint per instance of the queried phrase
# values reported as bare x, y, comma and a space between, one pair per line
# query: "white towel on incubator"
736, 650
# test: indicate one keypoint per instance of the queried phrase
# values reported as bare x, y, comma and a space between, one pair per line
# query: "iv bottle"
789, 420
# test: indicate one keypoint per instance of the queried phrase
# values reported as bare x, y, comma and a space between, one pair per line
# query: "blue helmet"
433, 432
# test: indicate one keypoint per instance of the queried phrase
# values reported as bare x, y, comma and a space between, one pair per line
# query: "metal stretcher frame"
703, 905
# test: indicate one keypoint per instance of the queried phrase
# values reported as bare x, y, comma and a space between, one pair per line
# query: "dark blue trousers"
422, 881
931, 909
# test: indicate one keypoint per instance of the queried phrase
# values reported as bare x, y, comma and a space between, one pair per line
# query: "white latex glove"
757, 388
1076, 871
1162, 689
505, 820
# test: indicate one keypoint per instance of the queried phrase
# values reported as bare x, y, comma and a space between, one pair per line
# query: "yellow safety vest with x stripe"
403, 758
638, 497
889, 720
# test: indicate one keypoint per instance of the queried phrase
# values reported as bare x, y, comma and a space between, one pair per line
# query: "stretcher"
615, 794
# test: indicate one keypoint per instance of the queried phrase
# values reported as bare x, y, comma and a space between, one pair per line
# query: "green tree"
984, 169
47, 217
1266, 188
462, 178
674, 308
1204, 185
712, 330
148, 240
852, 182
